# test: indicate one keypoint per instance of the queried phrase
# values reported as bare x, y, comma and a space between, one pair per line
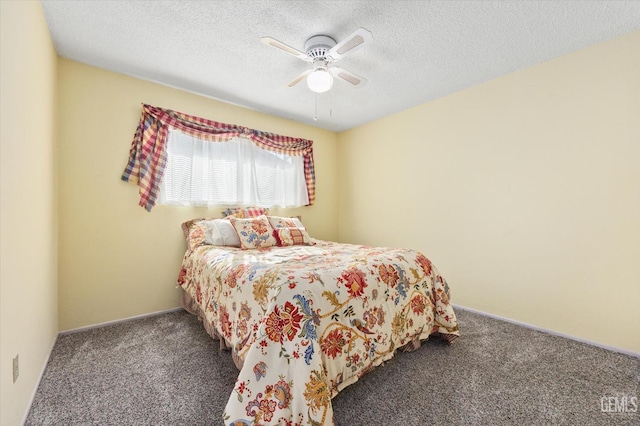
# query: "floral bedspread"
307, 321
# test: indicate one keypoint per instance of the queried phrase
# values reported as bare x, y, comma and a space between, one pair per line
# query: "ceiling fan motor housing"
323, 51
318, 46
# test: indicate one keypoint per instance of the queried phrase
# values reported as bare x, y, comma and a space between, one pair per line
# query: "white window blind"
237, 172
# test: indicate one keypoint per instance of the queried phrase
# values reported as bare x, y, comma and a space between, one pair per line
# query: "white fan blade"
348, 76
355, 41
286, 48
299, 78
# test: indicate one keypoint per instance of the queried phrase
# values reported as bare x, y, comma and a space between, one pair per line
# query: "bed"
302, 317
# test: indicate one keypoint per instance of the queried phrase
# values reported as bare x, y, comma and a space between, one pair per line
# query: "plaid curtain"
148, 155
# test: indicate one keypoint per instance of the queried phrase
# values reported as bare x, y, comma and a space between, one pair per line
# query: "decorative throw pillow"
285, 222
254, 232
220, 232
293, 231
195, 232
292, 237
244, 212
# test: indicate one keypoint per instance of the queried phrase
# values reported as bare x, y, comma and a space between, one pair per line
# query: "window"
235, 172
265, 172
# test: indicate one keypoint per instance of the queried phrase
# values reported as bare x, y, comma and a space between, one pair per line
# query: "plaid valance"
148, 155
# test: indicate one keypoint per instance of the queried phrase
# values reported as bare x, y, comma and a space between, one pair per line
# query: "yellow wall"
28, 211
523, 191
116, 259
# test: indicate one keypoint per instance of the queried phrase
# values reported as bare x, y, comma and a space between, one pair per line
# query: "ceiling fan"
322, 51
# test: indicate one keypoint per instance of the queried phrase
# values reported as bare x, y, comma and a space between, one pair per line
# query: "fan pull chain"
330, 104
316, 116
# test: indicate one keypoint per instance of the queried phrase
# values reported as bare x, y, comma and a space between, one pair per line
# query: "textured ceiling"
421, 50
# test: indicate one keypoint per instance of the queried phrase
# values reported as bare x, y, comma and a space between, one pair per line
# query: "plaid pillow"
292, 237
245, 211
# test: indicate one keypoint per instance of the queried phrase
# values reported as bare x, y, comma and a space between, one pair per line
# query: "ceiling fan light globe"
320, 81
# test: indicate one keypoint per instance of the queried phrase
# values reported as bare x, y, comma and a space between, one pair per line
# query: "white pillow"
220, 232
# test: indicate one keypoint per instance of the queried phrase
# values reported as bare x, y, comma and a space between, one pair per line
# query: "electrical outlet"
16, 369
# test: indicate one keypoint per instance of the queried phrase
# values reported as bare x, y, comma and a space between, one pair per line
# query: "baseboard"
555, 333
104, 324
35, 389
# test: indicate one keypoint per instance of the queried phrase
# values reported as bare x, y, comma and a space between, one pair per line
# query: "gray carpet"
165, 370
